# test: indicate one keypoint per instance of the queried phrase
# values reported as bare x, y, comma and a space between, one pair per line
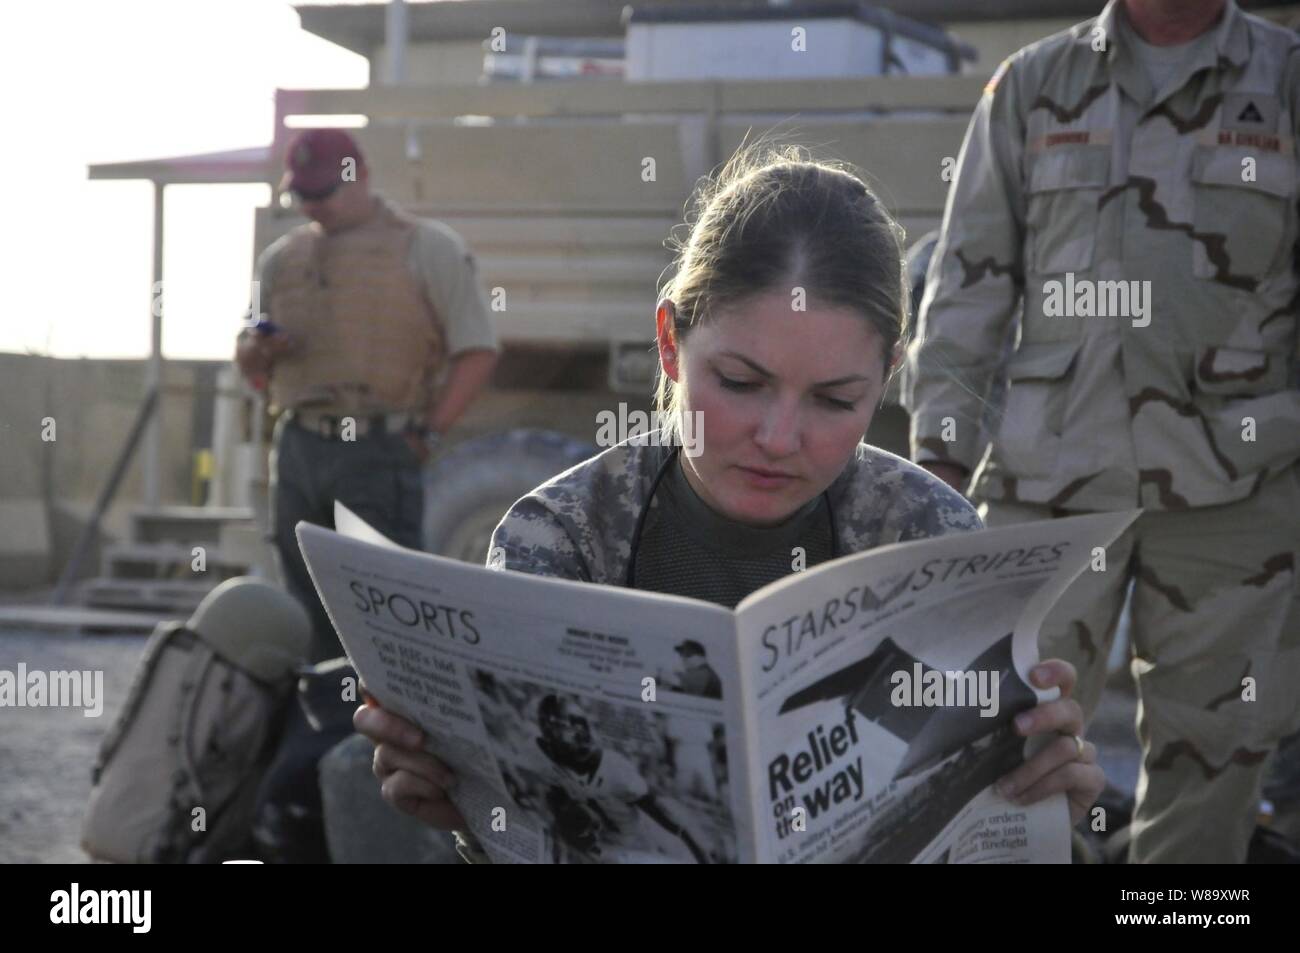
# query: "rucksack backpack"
178, 771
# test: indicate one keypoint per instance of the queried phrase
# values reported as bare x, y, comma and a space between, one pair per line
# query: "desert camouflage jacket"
1145, 240
580, 524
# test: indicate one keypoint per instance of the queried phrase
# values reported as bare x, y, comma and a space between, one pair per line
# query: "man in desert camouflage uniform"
1098, 161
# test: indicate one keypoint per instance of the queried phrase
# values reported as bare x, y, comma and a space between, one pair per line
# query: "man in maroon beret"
375, 337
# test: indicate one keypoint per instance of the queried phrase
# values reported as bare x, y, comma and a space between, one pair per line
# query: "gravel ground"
46, 753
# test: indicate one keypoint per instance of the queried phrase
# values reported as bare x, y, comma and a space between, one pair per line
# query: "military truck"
562, 139
567, 191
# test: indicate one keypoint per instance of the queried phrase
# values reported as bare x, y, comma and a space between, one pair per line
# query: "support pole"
396, 34
154, 377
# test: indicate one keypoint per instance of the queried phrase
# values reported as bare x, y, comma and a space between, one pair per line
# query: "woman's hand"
414, 781
1059, 766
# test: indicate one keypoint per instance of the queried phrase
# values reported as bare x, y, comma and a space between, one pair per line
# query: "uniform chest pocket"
1247, 406
1228, 372
1240, 216
1065, 189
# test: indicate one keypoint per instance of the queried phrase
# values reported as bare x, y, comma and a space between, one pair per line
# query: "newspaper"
855, 712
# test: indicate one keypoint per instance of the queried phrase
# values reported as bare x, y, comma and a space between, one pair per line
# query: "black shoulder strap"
835, 534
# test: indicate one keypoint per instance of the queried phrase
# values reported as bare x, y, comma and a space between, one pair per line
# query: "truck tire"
470, 487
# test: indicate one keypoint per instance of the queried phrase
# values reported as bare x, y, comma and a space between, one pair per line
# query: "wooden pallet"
152, 595
188, 525
166, 561
79, 618
151, 572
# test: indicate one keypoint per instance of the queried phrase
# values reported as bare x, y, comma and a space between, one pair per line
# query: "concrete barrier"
64, 423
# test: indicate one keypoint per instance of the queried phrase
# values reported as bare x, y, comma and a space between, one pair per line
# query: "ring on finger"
1079, 747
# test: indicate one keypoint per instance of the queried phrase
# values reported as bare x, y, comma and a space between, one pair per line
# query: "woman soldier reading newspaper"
777, 335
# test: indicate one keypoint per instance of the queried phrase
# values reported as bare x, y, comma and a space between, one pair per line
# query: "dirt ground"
46, 753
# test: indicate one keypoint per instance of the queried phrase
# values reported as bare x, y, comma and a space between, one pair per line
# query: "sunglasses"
318, 195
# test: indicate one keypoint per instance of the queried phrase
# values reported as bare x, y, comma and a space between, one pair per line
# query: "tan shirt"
446, 270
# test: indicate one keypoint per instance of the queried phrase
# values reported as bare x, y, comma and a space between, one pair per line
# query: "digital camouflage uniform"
1075, 170
580, 524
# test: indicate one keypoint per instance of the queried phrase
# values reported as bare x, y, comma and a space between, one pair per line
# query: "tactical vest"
368, 339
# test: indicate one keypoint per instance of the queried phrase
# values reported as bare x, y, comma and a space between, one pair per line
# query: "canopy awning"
207, 168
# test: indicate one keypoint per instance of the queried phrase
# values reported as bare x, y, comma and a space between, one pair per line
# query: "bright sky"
90, 81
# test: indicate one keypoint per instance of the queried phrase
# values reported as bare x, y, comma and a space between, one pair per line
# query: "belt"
334, 427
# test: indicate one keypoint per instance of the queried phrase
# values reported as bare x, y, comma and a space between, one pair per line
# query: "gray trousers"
377, 477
